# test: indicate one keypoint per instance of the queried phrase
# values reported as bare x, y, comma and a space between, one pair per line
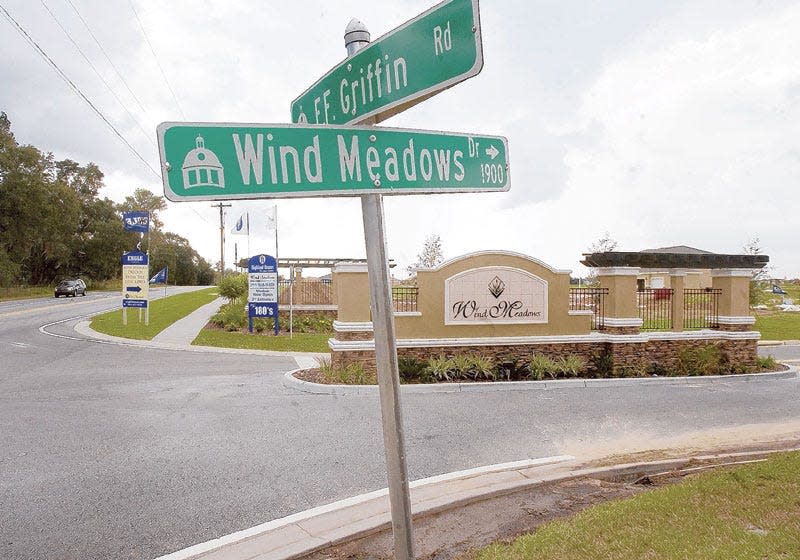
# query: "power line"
152, 50
108, 58
75, 88
105, 83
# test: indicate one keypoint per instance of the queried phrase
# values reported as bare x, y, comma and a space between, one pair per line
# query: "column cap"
618, 271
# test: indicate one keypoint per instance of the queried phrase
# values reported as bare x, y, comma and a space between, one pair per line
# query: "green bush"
540, 365
638, 370
767, 363
233, 287
413, 370
603, 365
440, 368
230, 317
481, 368
352, 374
570, 365
462, 367
703, 360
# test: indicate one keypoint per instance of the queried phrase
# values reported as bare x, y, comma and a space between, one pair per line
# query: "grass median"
743, 513
163, 313
300, 342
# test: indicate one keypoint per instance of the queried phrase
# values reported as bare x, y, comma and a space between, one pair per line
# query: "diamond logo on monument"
496, 287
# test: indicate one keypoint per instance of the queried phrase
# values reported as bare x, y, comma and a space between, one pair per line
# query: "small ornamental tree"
431, 254
605, 244
753, 247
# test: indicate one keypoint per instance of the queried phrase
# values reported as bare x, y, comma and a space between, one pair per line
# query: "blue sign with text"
262, 295
136, 221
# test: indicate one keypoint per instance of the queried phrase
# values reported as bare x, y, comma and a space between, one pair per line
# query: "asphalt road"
116, 451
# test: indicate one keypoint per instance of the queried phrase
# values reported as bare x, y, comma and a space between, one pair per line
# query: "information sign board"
135, 279
262, 293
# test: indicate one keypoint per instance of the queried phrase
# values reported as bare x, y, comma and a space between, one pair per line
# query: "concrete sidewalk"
184, 331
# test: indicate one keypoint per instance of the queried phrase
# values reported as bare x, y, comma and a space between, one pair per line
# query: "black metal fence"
404, 298
305, 292
589, 299
655, 308
701, 308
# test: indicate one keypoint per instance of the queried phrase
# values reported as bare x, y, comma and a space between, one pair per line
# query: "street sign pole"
356, 37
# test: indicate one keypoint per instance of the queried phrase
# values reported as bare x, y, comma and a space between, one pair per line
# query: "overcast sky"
661, 123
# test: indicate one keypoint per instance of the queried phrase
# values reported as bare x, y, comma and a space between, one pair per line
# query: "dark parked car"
71, 288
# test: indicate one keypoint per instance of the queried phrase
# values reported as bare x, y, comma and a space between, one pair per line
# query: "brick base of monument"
637, 356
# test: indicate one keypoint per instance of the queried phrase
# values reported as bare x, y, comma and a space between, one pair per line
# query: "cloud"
698, 140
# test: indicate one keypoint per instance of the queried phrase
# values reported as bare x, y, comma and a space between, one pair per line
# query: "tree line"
54, 224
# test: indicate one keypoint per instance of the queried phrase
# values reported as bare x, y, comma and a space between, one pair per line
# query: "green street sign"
206, 161
439, 48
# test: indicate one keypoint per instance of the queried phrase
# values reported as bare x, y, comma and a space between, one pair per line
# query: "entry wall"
425, 333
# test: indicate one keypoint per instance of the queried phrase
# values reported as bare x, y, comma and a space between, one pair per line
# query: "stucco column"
621, 315
734, 301
352, 292
677, 281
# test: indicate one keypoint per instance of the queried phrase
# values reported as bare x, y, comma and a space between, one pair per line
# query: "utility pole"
221, 237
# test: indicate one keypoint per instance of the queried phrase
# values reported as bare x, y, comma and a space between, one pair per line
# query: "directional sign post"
205, 161
432, 52
135, 284
262, 294
322, 156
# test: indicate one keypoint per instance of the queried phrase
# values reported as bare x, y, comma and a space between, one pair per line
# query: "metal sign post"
380, 297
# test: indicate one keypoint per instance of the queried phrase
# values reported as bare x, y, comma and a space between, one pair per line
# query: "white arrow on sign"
492, 152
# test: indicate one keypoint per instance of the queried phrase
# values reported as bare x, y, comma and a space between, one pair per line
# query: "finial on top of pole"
356, 36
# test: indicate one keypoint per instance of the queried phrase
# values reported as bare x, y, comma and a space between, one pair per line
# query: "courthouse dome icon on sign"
201, 168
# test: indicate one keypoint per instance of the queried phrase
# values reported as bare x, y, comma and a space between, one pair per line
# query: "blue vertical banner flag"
160, 276
136, 221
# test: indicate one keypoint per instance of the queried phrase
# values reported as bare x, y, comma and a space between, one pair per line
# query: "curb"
304, 359
306, 532
291, 382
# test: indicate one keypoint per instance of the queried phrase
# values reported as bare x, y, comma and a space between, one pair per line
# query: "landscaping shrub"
570, 365
766, 363
603, 365
230, 317
233, 287
461, 368
440, 368
352, 374
539, 366
413, 370
704, 360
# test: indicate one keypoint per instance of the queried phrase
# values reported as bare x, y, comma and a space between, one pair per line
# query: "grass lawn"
301, 342
25, 292
163, 312
778, 325
744, 513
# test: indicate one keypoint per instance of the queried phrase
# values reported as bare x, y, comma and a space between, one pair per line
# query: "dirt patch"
451, 534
